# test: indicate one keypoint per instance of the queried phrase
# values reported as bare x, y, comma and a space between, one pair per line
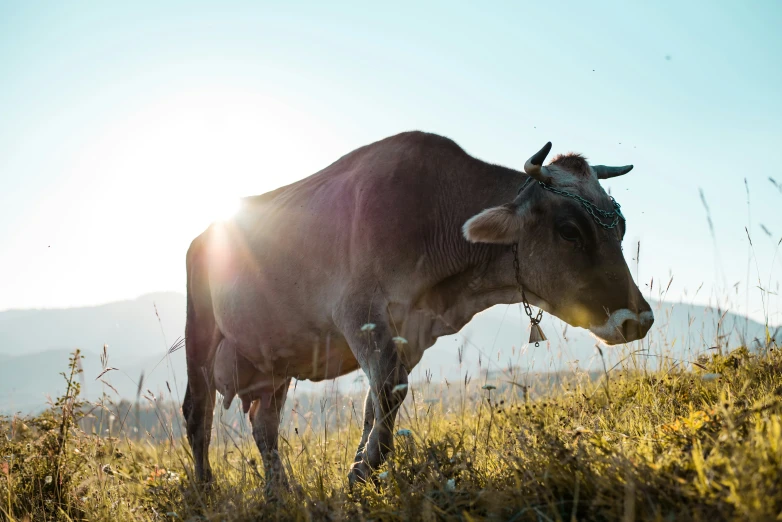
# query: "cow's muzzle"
624, 326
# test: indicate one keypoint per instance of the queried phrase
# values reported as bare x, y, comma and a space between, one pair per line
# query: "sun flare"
223, 209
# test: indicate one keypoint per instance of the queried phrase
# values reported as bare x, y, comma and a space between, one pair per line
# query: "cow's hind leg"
201, 339
265, 418
377, 354
198, 408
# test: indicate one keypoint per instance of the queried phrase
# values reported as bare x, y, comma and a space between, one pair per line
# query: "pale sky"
126, 128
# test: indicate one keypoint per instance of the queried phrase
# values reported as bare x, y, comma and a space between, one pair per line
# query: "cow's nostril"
634, 328
631, 329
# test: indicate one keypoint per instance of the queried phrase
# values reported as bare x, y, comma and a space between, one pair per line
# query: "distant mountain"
35, 345
128, 327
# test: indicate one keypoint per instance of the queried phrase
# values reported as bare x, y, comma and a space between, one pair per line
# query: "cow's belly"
276, 346
285, 345
285, 332
328, 356
276, 321
235, 375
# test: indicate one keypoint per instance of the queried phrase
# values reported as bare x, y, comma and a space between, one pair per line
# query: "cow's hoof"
206, 480
359, 473
276, 488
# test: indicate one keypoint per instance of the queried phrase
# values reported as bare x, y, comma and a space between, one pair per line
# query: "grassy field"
632, 445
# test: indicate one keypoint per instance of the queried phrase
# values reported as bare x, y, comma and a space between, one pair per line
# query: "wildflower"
399, 340
156, 473
383, 476
488, 387
48, 479
404, 433
368, 327
450, 484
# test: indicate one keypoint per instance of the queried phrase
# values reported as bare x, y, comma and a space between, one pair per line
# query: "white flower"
450, 484
48, 479
368, 327
399, 340
404, 433
383, 476
488, 387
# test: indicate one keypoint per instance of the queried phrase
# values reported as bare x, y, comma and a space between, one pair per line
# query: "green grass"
662, 445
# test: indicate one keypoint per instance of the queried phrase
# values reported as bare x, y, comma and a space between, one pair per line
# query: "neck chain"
536, 334
598, 214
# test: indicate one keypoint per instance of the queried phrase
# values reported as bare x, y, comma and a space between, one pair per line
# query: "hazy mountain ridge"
35, 345
130, 326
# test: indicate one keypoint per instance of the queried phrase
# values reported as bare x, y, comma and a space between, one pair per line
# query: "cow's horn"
605, 172
534, 166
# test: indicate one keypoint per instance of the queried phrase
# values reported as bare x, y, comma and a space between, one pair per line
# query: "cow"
364, 264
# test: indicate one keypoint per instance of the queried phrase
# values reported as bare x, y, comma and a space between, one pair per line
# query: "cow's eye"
569, 233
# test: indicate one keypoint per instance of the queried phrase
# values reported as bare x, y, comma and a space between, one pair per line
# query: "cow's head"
570, 253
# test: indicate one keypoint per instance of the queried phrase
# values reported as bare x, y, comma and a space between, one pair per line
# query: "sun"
223, 209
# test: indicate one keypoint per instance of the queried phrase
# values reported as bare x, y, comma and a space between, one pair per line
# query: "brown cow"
367, 262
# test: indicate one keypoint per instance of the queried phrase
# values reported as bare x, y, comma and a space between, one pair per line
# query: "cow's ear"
499, 225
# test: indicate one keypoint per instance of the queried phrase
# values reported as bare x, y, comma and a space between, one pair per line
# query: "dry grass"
662, 445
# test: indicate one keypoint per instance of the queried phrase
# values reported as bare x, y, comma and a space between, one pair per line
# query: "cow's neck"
481, 275
455, 300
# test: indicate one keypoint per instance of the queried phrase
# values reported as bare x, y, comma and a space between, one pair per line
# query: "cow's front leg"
369, 422
371, 342
265, 419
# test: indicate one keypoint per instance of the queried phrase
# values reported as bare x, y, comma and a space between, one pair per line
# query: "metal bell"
536, 334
